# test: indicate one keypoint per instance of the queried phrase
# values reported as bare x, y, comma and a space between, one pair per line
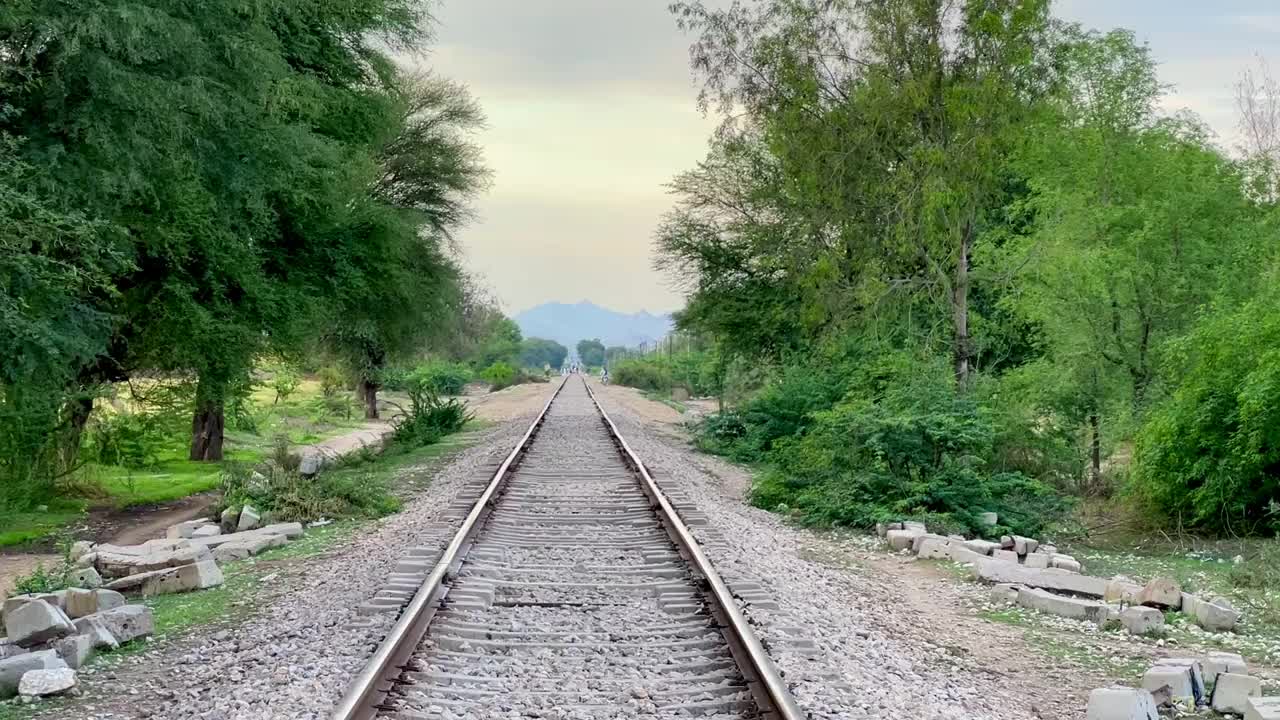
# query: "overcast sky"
590, 107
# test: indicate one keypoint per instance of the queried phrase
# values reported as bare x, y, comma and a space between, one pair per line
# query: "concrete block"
126, 623
915, 541
205, 531
1142, 620
12, 669
249, 519
1260, 708
1047, 549
1215, 618
1006, 556
45, 683
1194, 666
1161, 592
1037, 560
1121, 704
1004, 594
196, 576
1065, 562
1006, 542
994, 571
86, 577
1176, 679
1062, 606
913, 525
981, 547
81, 603
1231, 693
74, 650
1121, 589
185, 529
1216, 663
96, 630
901, 539
1024, 545
32, 623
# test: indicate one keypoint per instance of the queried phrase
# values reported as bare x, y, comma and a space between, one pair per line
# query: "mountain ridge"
567, 323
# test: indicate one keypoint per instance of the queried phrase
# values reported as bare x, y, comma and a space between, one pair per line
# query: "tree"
591, 353
537, 353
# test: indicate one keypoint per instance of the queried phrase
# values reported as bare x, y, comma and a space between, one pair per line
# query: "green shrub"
643, 374
288, 496
499, 375
285, 381
1210, 454
910, 447
132, 440
428, 417
446, 378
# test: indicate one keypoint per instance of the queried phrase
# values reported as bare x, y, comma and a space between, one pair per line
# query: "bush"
1210, 454
906, 446
446, 378
288, 496
428, 417
643, 374
131, 440
499, 375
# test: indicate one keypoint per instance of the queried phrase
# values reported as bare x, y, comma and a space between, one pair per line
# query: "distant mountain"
567, 324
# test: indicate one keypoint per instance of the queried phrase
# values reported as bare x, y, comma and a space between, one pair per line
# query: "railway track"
573, 591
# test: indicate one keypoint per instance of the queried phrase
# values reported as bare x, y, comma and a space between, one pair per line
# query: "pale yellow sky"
591, 110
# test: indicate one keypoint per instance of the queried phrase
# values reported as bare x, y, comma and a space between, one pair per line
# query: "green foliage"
428, 417
641, 373
288, 496
499, 375
48, 580
131, 440
1209, 455
332, 381
536, 353
590, 353
284, 381
442, 377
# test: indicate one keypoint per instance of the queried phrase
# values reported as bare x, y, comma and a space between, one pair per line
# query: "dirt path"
511, 402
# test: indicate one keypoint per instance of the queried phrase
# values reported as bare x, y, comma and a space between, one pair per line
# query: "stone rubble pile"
48, 636
1034, 575
1219, 681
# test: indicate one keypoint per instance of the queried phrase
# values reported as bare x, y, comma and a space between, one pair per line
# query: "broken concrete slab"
185, 529
982, 547
79, 549
86, 577
995, 571
1006, 556
901, 539
1121, 589
1006, 542
196, 576
132, 583
291, 530
1063, 606
1260, 708
1037, 560
206, 531
1176, 679
1120, 703
249, 519
1161, 592
96, 630
47, 683
81, 602
1024, 545
127, 622
1004, 594
1215, 618
34, 622
74, 650
1232, 692
1196, 669
1065, 562
1140, 620
1216, 663
914, 525
12, 669
117, 561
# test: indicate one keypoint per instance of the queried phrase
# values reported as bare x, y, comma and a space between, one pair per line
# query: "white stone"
43, 683
81, 602
1142, 620
96, 630
1196, 669
1215, 618
901, 539
205, 531
982, 547
914, 525
1263, 709
1177, 678
32, 623
1121, 589
988, 519
249, 519
1224, 662
1231, 693
1121, 704
79, 549
1006, 556
917, 540
1024, 545
12, 669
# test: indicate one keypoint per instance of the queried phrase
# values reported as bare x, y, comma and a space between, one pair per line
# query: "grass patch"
1071, 647
666, 399
29, 527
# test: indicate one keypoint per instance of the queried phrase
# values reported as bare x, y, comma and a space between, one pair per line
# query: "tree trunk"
207, 427
960, 309
80, 408
368, 391
1095, 454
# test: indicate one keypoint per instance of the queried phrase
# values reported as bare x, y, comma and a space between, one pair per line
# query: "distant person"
604, 376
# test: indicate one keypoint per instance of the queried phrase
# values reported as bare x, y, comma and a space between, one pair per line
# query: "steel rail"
371, 686
767, 686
